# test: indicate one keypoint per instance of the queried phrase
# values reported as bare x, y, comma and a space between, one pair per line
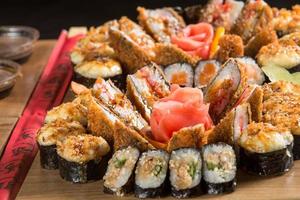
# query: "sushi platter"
197, 102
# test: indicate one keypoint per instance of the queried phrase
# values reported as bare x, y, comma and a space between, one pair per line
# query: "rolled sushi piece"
48, 136
151, 173
185, 172
253, 71
205, 72
87, 72
219, 168
266, 150
119, 176
79, 157
180, 73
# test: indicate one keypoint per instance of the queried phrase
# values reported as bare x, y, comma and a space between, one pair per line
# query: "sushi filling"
152, 169
180, 73
120, 170
185, 169
205, 72
151, 173
219, 163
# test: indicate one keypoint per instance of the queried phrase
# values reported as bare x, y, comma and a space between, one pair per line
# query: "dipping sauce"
12, 40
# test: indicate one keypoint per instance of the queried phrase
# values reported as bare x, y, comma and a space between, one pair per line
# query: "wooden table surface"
12, 106
47, 184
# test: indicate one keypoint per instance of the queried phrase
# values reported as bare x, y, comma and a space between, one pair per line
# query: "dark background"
51, 16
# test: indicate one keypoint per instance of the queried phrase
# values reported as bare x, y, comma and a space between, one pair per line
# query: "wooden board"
14, 104
47, 184
6, 126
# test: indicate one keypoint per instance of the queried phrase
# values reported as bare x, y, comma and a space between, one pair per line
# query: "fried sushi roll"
230, 46
72, 111
205, 72
87, 72
132, 45
281, 107
161, 23
185, 172
48, 136
94, 44
285, 53
151, 174
226, 89
221, 13
255, 16
219, 168
118, 103
79, 157
254, 73
266, 150
264, 37
180, 73
119, 176
145, 87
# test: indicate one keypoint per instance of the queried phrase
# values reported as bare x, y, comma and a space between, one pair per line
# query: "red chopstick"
21, 148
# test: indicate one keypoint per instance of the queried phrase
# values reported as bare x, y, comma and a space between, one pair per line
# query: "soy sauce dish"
9, 71
16, 42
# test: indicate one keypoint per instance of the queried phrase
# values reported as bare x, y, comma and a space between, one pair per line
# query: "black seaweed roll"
266, 150
219, 168
185, 172
119, 176
151, 173
79, 157
180, 73
49, 134
296, 148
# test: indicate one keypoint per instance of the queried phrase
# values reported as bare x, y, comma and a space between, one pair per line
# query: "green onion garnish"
212, 166
157, 169
192, 169
119, 162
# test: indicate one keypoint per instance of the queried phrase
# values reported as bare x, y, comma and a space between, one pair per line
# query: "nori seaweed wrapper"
267, 164
48, 157
125, 189
79, 173
186, 193
119, 81
219, 188
150, 192
88, 82
296, 148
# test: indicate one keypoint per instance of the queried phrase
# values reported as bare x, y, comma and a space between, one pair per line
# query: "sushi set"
178, 102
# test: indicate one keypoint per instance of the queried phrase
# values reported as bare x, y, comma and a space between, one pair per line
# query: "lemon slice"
275, 73
296, 77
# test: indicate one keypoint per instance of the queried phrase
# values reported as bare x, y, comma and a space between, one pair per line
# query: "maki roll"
145, 87
119, 176
180, 73
48, 136
72, 111
79, 157
266, 150
185, 172
253, 71
206, 72
219, 168
151, 173
87, 72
